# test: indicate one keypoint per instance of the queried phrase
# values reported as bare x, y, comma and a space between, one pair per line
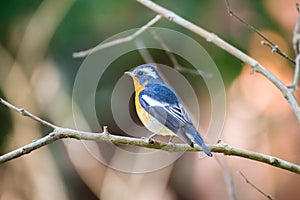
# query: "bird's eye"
140, 73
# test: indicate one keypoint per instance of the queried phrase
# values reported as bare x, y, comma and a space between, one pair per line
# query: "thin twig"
164, 47
293, 87
296, 45
228, 180
60, 132
173, 59
211, 37
255, 187
144, 52
274, 48
118, 41
25, 113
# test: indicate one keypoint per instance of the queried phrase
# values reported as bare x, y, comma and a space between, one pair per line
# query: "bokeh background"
37, 71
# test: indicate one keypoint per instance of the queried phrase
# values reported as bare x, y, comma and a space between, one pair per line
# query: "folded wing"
162, 103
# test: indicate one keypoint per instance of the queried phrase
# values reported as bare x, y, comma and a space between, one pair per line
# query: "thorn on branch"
22, 112
25, 150
52, 134
170, 17
274, 49
255, 68
274, 161
253, 71
292, 87
105, 130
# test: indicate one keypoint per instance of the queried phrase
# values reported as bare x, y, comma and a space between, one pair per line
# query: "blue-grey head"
145, 73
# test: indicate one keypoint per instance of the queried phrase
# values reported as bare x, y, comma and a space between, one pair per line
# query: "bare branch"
228, 180
144, 52
296, 45
274, 48
296, 34
293, 87
255, 187
25, 113
211, 37
60, 133
173, 59
164, 47
129, 38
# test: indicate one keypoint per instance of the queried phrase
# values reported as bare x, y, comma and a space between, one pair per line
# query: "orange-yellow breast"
148, 121
142, 113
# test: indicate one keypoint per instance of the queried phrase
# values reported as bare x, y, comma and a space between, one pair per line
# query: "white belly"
157, 128
152, 124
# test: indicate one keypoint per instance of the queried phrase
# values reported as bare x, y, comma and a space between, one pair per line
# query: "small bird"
159, 108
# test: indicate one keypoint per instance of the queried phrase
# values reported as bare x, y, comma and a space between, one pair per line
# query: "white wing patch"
151, 101
154, 125
174, 110
150, 72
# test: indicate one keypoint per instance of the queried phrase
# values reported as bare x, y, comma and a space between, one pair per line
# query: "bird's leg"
170, 140
150, 138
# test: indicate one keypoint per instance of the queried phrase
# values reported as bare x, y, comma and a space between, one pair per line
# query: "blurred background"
37, 72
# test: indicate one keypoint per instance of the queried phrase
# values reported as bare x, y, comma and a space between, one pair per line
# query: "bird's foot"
173, 144
150, 139
170, 141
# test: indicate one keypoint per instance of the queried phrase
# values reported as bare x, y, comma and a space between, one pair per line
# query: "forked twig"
213, 38
164, 47
254, 186
60, 132
274, 48
144, 52
129, 38
296, 45
25, 113
293, 87
173, 59
228, 180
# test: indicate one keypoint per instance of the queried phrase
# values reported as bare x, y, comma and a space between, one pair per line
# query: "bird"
159, 108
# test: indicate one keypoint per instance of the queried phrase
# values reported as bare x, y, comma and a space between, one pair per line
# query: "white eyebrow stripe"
150, 72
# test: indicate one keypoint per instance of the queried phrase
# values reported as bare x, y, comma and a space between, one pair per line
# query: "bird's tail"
194, 135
